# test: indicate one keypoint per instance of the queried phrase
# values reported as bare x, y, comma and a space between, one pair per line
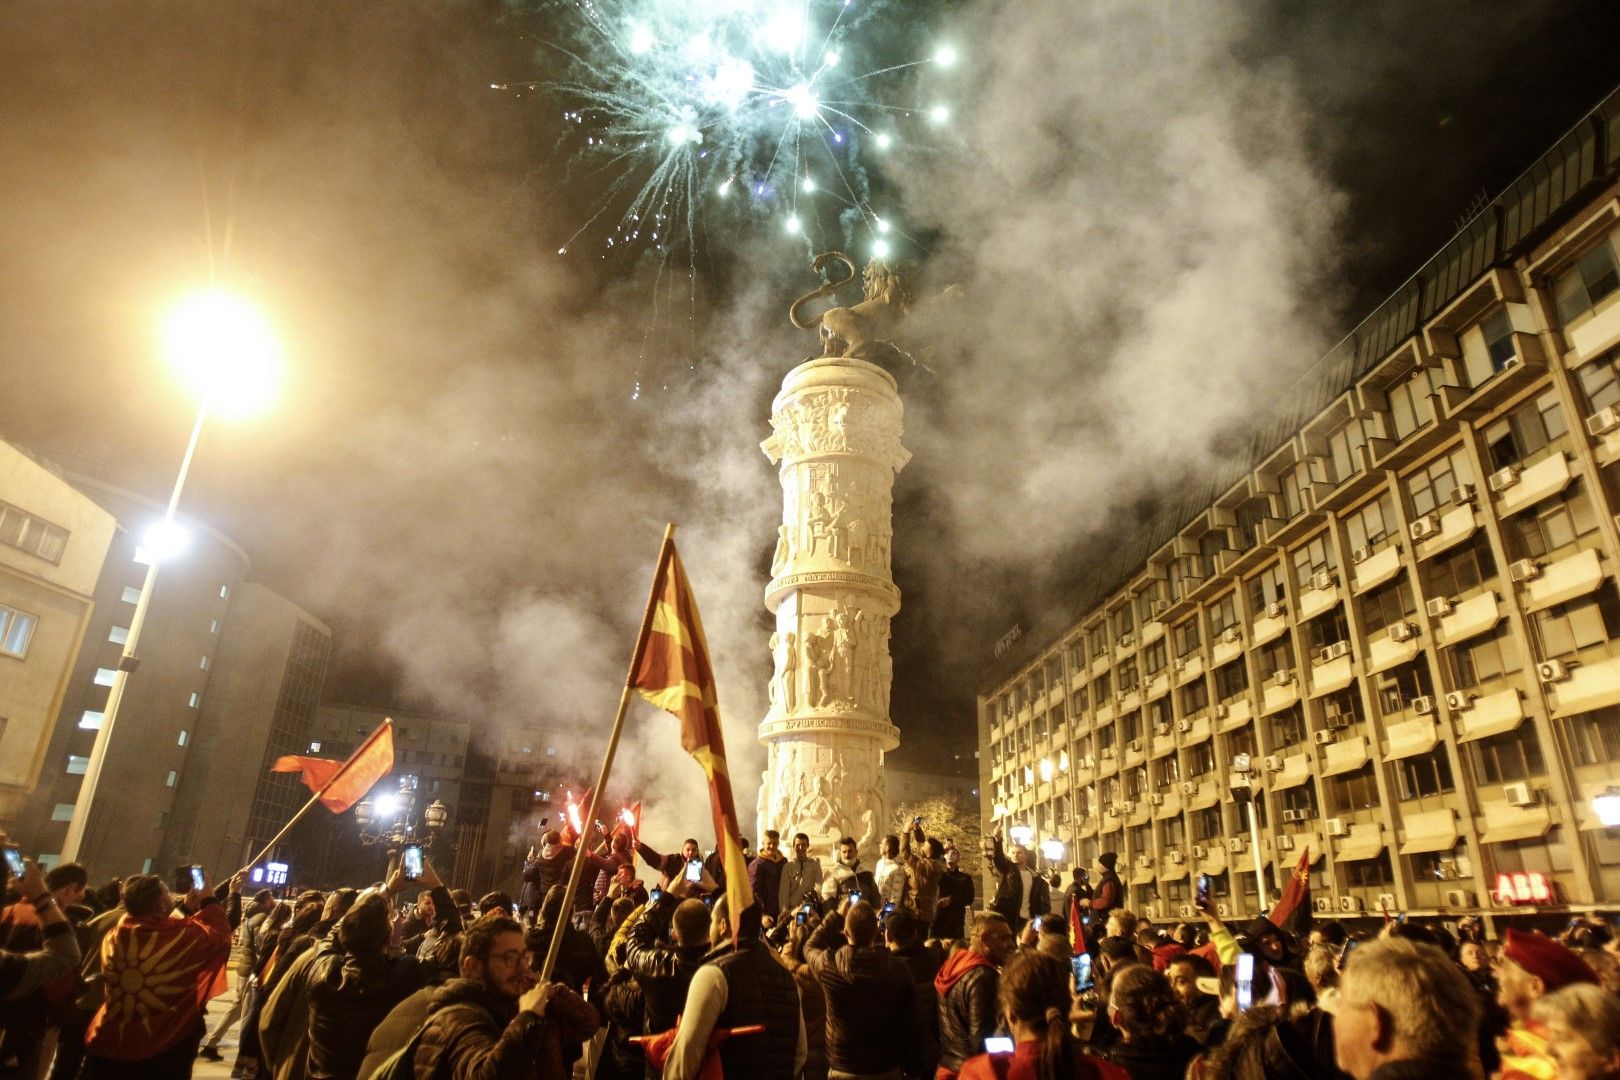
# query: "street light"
1607, 806
223, 350
394, 814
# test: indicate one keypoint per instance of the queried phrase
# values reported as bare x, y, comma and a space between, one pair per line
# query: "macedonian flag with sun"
159, 973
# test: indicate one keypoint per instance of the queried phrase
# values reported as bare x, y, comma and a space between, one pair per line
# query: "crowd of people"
842, 971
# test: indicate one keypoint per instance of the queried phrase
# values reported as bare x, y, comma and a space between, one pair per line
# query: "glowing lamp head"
1052, 848
880, 250
884, 140
939, 114
222, 347
1046, 769
804, 101
792, 225
385, 807
1021, 834
1607, 807
945, 55
641, 39
163, 540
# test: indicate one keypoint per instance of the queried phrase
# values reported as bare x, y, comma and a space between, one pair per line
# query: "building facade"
1397, 629
53, 543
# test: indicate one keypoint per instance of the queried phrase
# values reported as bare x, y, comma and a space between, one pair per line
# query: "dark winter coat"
967, 985
663, 970
349, 994
950, 921
1156, 1059
473, 1033
872, 1024
924, 963
1010, 889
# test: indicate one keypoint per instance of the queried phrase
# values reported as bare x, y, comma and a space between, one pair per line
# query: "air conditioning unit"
1322, 904
1276, 609
1144, 861
1463, 496
1322, 581
1178, 664
1521, 794
1236, 845
1108, 751
1220, 712
1136, 746
1284, 842
1186, 911
1189, 787
1339, 719
1162, 728
1337, 826
1089, 762
1231, 634
1603, 421
1524, 570
1459, 898
1502, 479
1158, 607
1282, 677
1123, 692
1361, 554
1439, 607
1184, 725
1402, 631
1424, 527
1126, 807
1223, 910
1200, 851
1422, 705
1350, 905
1552, 671
1274, 763
1458, 700
1176, 857
1387, 902
1322, 738
1157, 798
1150, 911
1126, 641
1292, 816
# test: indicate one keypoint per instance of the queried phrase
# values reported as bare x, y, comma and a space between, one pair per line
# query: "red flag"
1296, 896
673, 672
341, 784
1077, 926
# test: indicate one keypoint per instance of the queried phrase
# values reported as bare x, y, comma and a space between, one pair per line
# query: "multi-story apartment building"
53, 541
1397, 628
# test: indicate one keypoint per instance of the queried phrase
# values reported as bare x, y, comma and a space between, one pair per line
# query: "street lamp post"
223, 348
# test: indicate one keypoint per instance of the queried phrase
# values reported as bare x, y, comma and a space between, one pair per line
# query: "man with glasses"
495, 1019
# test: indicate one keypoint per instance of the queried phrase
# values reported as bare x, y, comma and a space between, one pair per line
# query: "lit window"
194, 699
315, 746
146, 866
118, 635
213, 626
224, 592
132, 595
551, 751
62, 812
77, 766
16, 630
203, 663
173, 776
105, 676
91, 720
185, 736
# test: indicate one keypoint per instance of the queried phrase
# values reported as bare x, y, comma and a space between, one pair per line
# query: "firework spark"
771, 109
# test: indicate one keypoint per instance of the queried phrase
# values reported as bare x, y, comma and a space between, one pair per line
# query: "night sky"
459, 475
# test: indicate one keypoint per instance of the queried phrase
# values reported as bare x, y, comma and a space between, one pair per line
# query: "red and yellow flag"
673, 672
1296, 898
341, 784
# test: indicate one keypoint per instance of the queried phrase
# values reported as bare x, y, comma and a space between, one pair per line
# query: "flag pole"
664, 553
388, 722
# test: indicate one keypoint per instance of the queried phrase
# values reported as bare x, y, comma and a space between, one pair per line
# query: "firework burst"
773, 110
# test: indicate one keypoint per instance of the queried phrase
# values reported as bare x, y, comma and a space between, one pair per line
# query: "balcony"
1296, 769
1239, 711
1366, 841
1170, 805
1409, 738
1392, 648
1430, 831
1228, 648
1527, 365
1191, 668
1470, 618
1564, 579
1505, 823
1344, 755
1490, 714
1377, 568
1315, 598
1521, 488
1595, 336
1443, 531
1269, 628
1586, 687
1332, 675
1279, 695
1162, 746
1196, 732
1205, 794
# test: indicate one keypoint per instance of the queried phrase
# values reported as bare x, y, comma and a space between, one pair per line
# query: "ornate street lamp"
391, 818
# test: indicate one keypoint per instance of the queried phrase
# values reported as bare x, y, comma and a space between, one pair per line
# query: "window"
1512, 755
1388, 604
91, 720
1127, 676
1313, 558
1551, 527
1122, 621
1426, 774
63, 811
193, 700
1240, 741
25, 532
1481, 659
77, 766
1154, 658
1230, 680
16, 631
1527, 431
173, 777
1223, 613
105, 676
118, 635
1270, 587
1596, 736
1207, 824
1135, 782
1397, 688
1577, 624
1158, 712
1328, 628
1201, 760
1457, 572
1300, 800
551, 751
1169, 772
1186, 637
1351, 791
1590, 281
1097, 641
1287, 728
1598, 383
185, 737
1431, 488
1367, 873
1374, 523
1276, 656
1411, 403
1175, 832
203, 663
1342, 447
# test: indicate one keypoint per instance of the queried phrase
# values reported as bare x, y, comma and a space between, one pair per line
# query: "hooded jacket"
967, 985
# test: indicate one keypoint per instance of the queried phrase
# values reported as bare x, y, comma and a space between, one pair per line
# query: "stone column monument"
835, 439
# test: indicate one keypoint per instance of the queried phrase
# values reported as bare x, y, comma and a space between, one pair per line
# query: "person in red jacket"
159, 974
1034, 1002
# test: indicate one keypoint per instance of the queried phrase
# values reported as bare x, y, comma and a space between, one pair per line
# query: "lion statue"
867, 330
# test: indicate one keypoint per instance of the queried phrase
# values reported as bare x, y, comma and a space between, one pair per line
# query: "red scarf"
159, 973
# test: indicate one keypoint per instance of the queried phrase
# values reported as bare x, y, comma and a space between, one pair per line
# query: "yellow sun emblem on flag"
146, 974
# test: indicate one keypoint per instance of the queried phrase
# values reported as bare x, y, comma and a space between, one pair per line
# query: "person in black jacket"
902, 931
1152, 1022
664, 970
352, 988
578, 961
1021, 893
956, 895
968, 985
872, 1024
